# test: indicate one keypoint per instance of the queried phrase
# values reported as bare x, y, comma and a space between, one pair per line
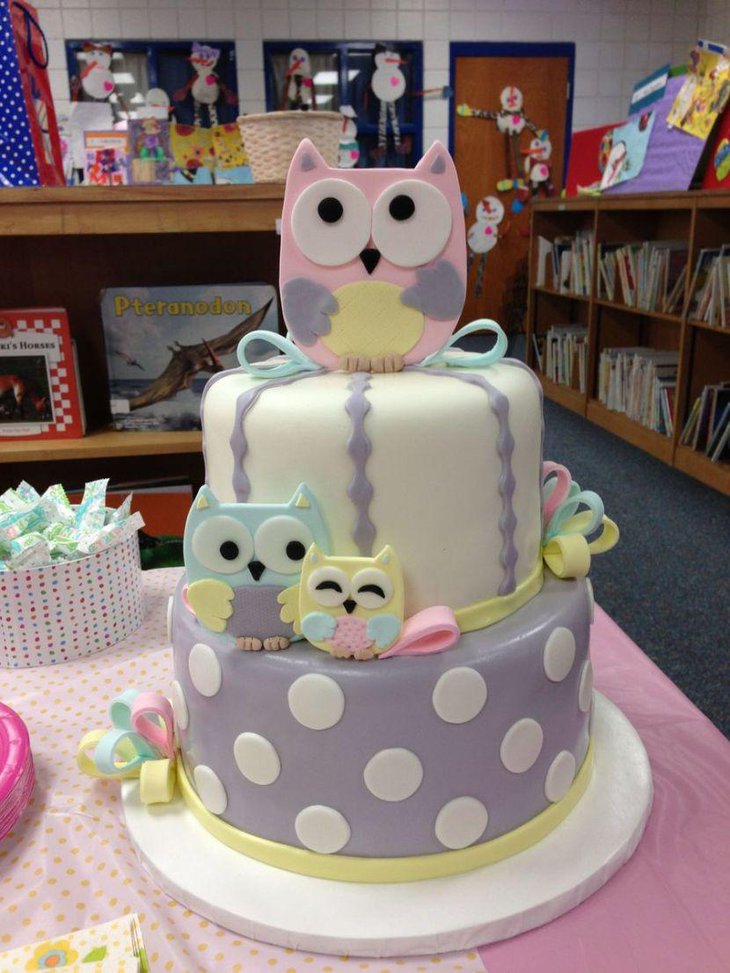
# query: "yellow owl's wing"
289, 598
211, 600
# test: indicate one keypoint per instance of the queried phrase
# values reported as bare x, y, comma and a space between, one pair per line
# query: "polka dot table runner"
69, 863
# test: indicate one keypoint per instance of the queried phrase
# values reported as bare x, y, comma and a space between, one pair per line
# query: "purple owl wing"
439, 292
306, 306
256, 613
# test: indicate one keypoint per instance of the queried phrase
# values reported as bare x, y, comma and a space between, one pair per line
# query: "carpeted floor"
667, 583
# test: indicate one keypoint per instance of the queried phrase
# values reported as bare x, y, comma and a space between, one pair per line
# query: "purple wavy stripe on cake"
238, 441
516, 363
360, 490
499, 404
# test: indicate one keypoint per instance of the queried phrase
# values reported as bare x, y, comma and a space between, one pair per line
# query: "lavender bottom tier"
400, 757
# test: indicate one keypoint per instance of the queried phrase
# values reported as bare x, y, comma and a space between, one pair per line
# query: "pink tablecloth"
69, 863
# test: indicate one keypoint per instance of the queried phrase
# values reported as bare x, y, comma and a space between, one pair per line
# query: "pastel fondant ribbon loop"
427, 632
569, 555
454, 357
291, 362
556, 485
566, 519
140, 744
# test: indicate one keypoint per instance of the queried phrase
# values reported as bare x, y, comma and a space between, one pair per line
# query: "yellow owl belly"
372, 321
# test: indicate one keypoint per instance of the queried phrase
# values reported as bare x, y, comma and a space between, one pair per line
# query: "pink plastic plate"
17, 776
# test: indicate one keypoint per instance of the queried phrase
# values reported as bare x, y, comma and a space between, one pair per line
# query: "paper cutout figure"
537, 165
97, 80
205, 87
704, 93
483, 236
150, 154
298, 94
156, 104
349, 146
388, 84
628, 150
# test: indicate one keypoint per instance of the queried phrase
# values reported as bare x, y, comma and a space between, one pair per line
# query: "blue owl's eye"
281, 543
222, 544
229, 550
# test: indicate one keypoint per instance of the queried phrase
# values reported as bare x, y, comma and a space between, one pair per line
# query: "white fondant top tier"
441, 463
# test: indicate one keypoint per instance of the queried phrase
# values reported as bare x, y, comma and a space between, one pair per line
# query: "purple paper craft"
671, 157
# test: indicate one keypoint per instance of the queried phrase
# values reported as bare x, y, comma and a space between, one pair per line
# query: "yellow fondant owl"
347, 606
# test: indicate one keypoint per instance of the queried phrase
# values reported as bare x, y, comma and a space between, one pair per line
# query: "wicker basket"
271, 140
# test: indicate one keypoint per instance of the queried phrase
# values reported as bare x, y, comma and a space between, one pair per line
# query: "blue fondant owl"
240, 556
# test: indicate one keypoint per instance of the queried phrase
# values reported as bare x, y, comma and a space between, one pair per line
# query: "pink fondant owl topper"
373, 261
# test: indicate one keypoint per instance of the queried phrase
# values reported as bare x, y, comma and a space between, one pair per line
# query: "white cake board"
414, 918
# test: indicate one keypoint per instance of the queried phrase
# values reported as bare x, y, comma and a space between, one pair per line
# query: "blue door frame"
499, 49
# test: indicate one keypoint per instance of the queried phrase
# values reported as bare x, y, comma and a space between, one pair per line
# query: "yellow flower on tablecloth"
52, 955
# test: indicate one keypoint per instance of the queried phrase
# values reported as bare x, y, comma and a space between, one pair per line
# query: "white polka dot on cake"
316, 701
179, 705
560, 776
585, 689
459, 695
559, 654
205, 669
461, 822
521, 745
394, 774
322, 829
256, 758
210, 789
591, 600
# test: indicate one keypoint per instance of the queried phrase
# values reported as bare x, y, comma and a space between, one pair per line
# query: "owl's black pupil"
295, 550
402, 207
229, 550
330, 209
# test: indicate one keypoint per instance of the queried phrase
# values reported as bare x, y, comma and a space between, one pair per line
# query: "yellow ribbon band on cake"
347, 868
480, 614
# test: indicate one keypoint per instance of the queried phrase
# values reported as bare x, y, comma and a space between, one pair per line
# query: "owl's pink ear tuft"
436, 160
306, 158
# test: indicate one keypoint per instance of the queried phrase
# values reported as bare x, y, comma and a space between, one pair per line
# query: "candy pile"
40, 529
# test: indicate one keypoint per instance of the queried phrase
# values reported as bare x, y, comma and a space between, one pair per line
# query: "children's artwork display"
205, 87
629, 143
298, 93
231, 159
672, 155
97, 80
717, 172
589, 152
704, 92
106, 158
537, 165
649, 90
150, 155
164, 343
483, 236
193, 154
349, 145
388, 85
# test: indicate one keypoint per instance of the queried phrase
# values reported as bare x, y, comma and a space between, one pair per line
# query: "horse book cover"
39, 392
164, 343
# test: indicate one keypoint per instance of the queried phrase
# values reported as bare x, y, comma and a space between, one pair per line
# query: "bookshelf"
702, 219
59, 247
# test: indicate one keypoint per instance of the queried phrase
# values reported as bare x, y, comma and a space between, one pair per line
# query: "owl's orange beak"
370, 258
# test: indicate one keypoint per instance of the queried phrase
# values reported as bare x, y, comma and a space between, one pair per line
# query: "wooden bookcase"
61, 247
701, 218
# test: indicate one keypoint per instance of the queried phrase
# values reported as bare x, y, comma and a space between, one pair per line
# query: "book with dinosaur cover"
164, 343
39, 394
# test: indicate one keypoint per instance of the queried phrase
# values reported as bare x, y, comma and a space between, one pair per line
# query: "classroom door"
486, 156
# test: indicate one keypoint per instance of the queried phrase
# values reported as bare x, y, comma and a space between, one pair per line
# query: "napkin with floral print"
113, 947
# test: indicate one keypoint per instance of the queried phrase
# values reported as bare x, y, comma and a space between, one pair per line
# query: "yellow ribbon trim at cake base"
347, 868
480, 614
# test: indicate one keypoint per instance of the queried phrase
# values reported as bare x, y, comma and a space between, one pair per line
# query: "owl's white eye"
281, 544
411, 223
331, 222
372, 588
223, 545
328, 586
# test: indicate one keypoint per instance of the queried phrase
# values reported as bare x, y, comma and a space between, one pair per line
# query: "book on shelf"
649, 276
40, 394
641, 383
164, 343
566, 354
708, 419
710, 289
572, 263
